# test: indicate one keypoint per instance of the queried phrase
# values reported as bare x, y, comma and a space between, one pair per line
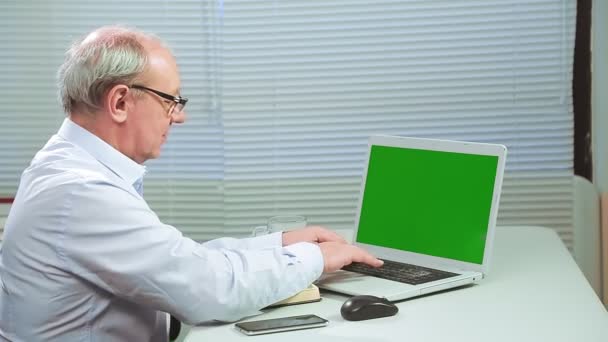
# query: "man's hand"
316, 234
337, 255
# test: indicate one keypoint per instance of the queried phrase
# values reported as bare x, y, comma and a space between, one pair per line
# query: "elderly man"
84, 257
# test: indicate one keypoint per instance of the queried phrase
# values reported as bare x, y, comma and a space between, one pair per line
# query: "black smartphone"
268, 326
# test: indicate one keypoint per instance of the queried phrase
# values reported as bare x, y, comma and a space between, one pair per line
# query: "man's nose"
178, 117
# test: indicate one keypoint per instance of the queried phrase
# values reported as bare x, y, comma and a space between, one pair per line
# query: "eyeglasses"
179, 102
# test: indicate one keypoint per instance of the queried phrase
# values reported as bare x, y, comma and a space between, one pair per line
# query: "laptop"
428, 208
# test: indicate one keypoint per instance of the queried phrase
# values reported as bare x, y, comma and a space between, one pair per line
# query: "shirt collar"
113, 159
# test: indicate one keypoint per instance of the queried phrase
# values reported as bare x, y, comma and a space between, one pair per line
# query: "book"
308, 295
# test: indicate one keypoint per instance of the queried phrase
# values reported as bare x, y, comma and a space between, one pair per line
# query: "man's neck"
106, 131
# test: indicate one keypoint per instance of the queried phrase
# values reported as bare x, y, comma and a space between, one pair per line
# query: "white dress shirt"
85, 259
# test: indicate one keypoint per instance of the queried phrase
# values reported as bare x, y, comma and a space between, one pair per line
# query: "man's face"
152, 115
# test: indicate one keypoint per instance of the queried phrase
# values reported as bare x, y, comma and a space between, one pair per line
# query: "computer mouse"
364, 307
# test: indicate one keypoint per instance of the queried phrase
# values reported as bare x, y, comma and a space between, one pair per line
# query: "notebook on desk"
430, 204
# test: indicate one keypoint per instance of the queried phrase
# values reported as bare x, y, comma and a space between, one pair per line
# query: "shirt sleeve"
258, 242
115, 241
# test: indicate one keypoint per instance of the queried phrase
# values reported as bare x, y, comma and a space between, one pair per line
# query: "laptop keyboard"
401, 272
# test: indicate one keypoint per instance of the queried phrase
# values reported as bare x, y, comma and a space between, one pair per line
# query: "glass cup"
280, 223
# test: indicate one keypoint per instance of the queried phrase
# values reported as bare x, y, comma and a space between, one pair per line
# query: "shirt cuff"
270, 240
309, 255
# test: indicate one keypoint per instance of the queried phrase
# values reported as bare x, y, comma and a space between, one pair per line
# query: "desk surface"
534, 291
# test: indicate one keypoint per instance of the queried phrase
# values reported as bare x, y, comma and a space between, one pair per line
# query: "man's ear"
118, 101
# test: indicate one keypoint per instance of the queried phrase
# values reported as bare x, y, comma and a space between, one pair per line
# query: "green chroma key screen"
429, 202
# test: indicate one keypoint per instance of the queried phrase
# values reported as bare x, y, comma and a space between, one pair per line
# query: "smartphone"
268, 326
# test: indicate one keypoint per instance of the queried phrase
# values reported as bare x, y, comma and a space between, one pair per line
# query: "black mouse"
359, 308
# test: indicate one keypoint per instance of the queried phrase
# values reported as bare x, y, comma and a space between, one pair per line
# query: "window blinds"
285, 93
184, 186
305, 84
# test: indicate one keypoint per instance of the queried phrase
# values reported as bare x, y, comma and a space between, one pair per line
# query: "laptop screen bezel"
497, 150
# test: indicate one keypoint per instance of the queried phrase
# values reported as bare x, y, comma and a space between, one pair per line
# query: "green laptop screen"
430, 202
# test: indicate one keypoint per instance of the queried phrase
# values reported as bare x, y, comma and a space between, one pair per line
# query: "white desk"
533, 292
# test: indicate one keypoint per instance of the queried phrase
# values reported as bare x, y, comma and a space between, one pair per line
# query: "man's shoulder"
62, 159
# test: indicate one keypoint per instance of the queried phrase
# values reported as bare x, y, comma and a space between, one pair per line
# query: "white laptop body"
426, 202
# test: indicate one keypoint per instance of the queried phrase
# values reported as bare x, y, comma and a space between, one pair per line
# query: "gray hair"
106, 57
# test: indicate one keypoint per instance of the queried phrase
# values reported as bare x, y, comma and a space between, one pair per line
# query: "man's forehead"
163, 72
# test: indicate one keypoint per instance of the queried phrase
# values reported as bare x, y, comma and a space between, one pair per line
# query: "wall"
599, 94
599, 119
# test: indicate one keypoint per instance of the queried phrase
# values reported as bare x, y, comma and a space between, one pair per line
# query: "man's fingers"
322, 234
327, 235
366, 258
336, 255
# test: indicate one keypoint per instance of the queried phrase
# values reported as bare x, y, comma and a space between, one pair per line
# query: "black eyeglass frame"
179, 100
